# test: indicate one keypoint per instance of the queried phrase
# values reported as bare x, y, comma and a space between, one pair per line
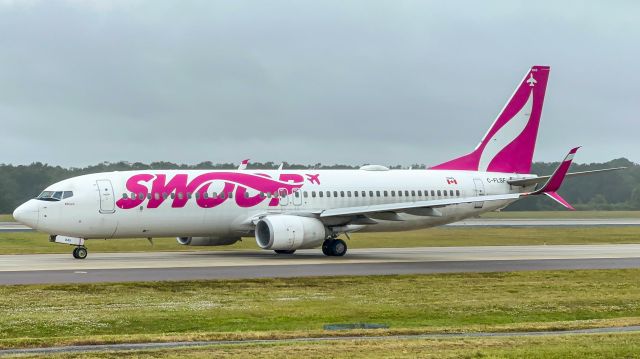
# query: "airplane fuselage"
222, 203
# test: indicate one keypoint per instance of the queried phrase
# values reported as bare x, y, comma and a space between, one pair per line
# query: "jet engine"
286, 232
207, 241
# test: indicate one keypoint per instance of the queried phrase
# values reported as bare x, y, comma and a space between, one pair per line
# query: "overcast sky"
389, 82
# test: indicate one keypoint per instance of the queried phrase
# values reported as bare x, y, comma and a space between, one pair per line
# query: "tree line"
619, 190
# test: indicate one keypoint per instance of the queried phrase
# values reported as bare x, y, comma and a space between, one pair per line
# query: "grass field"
562, 214
293, 307
566, 346
32, 242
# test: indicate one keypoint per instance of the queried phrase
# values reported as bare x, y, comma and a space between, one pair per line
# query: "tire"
282, 251
81, 252
326, 248
338, 248
75, 253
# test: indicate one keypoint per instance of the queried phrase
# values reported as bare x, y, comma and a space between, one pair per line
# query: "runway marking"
173, 345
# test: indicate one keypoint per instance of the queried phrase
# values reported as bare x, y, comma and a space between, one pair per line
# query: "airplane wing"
551, 185
409, 206
525, 182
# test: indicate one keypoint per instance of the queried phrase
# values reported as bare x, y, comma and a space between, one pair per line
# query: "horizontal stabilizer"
525, 182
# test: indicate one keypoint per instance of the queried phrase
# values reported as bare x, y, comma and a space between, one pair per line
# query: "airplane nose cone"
27, 214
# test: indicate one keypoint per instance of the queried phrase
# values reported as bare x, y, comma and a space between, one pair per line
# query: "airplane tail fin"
509, 144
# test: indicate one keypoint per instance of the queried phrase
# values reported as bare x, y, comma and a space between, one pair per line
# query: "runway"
154, 266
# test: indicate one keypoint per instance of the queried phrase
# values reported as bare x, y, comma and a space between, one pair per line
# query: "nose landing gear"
80, 252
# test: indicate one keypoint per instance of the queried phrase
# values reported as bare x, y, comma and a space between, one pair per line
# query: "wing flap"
396, 207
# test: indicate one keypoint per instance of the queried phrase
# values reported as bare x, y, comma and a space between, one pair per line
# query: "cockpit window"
54, 196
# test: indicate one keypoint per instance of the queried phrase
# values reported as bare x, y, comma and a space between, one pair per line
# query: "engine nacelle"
207, 241
286, 232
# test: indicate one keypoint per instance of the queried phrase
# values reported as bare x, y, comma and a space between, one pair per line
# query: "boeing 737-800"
288, 210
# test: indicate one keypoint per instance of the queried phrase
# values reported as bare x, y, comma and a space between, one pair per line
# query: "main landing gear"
80, 252
334, 247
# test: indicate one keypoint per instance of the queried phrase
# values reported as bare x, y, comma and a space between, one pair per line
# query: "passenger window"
393, 193
439, 193
197, 194
348, 193
386, 194
451, 193
433, 193
246, 194
180, 195
156, 196
125, 196
419, 193
140, 195
189, 194
413, 193
165, 195
370, 193
355, 193
173, 195
296, 194
399, 193
364, 193
406, 193
305, 194
377, 193
320, 194
328, 194
458, 193
444, 193
229, 195
341, 193
335, 193
313, 194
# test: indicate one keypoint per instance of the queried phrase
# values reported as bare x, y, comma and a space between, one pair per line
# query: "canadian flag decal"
451, 180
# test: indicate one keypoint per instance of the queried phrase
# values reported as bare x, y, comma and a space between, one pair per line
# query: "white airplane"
287, 210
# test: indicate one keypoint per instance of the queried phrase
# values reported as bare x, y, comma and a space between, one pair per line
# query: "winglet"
556, 179
243, 165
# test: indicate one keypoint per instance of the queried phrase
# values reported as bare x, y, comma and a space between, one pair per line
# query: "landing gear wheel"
282, 251
338, 248
326, 247
80, 253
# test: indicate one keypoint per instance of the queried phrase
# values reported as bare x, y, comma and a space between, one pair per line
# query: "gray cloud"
334, 82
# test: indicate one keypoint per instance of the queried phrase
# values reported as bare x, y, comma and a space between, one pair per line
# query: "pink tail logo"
509, 144
156, 189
